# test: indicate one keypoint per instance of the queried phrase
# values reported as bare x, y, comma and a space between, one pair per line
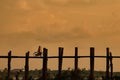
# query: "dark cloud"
41, 35
75, 33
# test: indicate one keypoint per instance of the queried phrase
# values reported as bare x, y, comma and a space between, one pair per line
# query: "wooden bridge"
45, 57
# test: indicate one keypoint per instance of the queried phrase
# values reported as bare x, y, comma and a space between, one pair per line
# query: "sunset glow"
26, 24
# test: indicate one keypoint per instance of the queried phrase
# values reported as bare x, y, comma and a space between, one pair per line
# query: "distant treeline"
82, 74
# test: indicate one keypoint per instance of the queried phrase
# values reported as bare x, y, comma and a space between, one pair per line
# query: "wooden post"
92, 63
107, 64
111, 65
9, 64
76, 60
45, 59
60, 62
27, 66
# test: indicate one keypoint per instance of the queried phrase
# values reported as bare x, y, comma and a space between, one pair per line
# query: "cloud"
23, 4
41, 34
43, 22
75, 33
79, 3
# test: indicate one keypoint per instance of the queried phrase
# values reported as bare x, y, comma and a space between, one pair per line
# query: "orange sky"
26, 24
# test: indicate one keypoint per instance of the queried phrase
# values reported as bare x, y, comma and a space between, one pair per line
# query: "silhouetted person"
39, 52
